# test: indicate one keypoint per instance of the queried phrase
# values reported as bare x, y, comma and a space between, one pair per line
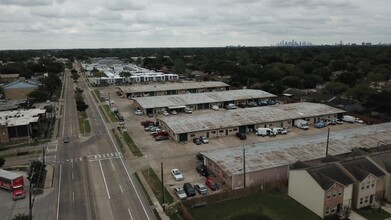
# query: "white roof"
247, 116
20, 117
265, 155
9, 175
199, 98
152, 87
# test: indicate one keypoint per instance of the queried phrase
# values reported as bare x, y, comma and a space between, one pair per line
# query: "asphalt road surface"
93, 180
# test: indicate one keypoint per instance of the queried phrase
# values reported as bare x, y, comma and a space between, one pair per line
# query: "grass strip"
132, 146
156, 186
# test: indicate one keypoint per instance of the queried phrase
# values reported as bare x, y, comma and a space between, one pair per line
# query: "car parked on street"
180, 193
177, 174
201, 188
189, 189
211, 183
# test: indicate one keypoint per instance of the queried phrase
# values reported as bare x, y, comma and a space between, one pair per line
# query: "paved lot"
182, 155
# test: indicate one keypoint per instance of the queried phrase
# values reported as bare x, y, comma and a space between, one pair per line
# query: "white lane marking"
112, 165
120, 187
111, 154
130, 214
73, 197
72, 164
72, 175
122, 162
59, 192
104, 180
116, 154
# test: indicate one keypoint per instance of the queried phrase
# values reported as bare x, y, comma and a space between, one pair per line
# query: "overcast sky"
41, 24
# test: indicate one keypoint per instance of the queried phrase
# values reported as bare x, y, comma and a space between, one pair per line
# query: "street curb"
152, 196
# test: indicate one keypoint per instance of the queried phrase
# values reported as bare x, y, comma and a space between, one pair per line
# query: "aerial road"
93, 179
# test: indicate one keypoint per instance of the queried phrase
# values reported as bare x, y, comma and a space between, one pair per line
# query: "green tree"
36, 172
39, 95
75, 75
2, 162
335, 88
360, 92
179, 66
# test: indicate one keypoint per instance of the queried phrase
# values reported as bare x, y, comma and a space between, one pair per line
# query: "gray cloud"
130, 23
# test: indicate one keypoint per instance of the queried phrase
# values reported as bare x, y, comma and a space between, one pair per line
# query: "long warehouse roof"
200, 98
247, 116
155, 87
266, 155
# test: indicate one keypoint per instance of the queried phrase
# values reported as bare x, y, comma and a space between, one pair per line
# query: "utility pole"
244, 167
161, 174
327, 143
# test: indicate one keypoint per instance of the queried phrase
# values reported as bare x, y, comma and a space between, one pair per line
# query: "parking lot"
183, 155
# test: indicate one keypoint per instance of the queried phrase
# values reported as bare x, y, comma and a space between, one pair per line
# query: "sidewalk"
356, 216
152, 196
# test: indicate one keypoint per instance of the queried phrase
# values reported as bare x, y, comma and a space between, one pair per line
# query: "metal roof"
154, 87
247, 116
265, 155
199, 98
8, 174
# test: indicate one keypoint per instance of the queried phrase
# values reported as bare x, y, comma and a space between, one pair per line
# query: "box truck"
348, 118
300, 123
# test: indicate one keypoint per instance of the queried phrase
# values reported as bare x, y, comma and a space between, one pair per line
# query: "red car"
211, 183
160, 133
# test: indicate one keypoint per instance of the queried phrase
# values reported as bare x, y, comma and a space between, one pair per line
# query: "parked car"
160, 133
204, 139
252, 104
199, 156
174, 112
180, 193
138, 112
65, 139
188, 110
148, 128
211, 183
177, 174
357, 120
197, 141
241, 136
166, 113
201, 169
154, 130
215, 107
201, 188
189, 189
150, 115
146, 123
242, 105
162, 138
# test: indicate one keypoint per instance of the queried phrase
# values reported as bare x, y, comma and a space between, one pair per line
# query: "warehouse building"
158, 89
223, 123
197, 101
267, 162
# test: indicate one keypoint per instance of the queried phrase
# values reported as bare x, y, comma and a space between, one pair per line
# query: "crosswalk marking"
96, 157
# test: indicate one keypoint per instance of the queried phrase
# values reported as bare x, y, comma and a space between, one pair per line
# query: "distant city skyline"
57, 24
